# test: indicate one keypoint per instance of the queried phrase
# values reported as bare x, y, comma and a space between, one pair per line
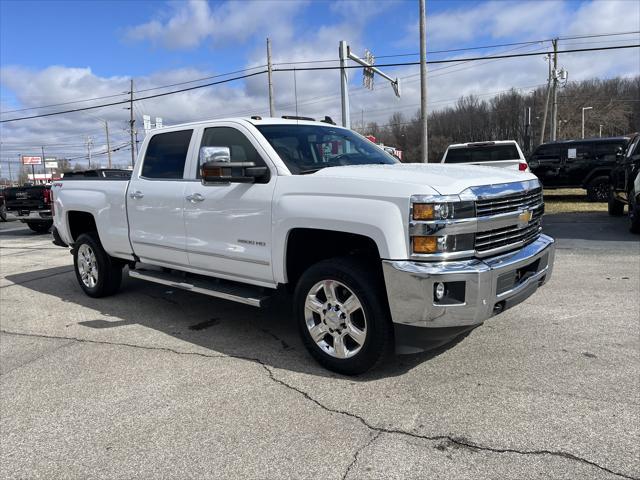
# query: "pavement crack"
118, 344
452, 440
460, 442
357, 454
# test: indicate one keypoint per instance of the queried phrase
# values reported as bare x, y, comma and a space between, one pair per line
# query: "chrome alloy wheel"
87, 265
335, 319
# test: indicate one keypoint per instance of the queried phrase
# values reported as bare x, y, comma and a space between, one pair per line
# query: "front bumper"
31, 216
483, 287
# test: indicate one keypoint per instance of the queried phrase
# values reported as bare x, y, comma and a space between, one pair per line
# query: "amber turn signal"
423, 211
425, 244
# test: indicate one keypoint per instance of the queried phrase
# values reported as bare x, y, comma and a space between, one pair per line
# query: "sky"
54, 52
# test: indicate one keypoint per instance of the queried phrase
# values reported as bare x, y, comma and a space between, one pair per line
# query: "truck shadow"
268, 336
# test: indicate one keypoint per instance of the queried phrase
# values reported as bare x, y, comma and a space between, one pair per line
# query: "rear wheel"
3, 212
342, 314
98, 274
615, 206
598, 189
40, 227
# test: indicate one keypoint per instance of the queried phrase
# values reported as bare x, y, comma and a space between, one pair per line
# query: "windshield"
488, 153
308, 148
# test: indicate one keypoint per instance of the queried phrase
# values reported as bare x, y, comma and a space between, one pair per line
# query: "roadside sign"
571, 153
26, 160
50, 163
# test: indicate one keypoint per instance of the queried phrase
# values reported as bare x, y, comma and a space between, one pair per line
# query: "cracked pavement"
156, 382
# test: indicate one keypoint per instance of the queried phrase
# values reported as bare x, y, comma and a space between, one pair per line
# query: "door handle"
136, 195
196, 197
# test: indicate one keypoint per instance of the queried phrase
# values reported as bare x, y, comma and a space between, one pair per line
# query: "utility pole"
423, 81
600, 135
106, 127
583, 109
554, 117
272, 106
11, 179
131, 124
546, 103
44, 166
527, 129
344, 84
89, 144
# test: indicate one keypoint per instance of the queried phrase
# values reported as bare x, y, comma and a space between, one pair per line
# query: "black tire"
368, 286
108, 270
598, 189
40, 227
634, 213
615, 207
3, 213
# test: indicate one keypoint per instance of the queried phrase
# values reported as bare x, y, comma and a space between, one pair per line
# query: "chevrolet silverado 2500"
378, 253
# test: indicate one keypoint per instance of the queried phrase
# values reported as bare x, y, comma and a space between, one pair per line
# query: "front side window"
309, 148
166, 155
241, 149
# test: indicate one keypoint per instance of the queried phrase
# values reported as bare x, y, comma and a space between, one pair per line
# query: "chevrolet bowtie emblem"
524, 218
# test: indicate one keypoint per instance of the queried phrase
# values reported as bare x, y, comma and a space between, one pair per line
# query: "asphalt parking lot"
160, 383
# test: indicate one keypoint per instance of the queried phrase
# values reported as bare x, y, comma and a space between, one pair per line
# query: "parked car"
30, 205
578, 164
374, 251
625, 183
502, 153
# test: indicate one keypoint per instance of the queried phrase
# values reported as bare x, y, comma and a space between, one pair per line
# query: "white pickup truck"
377, 253
499, 153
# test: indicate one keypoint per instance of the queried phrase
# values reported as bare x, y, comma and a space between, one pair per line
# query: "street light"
583, 109
600, 130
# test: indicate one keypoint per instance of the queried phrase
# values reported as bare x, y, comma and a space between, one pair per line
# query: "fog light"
439, 291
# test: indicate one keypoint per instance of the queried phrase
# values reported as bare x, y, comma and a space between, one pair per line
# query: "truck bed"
105, 199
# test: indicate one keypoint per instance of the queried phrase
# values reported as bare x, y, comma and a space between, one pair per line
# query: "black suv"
625, 183
578, 164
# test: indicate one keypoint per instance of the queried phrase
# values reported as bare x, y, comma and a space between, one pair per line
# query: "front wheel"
40, 227
343, 316
3, 213
98, 274
598, 189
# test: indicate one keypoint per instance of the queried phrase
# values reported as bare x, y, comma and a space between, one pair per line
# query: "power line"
136, 91
431, 52
466, 49
471, 59
93, 107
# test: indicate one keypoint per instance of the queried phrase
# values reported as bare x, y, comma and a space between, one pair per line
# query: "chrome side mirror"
214, 154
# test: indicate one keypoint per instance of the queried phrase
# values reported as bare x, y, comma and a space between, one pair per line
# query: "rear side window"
166, 155
608, 150
547, 151
489, 153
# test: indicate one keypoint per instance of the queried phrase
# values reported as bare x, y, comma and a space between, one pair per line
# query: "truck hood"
445, 179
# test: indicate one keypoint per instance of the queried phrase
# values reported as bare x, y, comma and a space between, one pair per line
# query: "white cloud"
188, 24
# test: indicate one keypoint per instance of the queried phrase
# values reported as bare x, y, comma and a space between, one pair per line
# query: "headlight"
438, 223
427, 244
443, 210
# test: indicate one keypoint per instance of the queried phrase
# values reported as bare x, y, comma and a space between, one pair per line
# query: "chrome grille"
513, 236
527, 199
